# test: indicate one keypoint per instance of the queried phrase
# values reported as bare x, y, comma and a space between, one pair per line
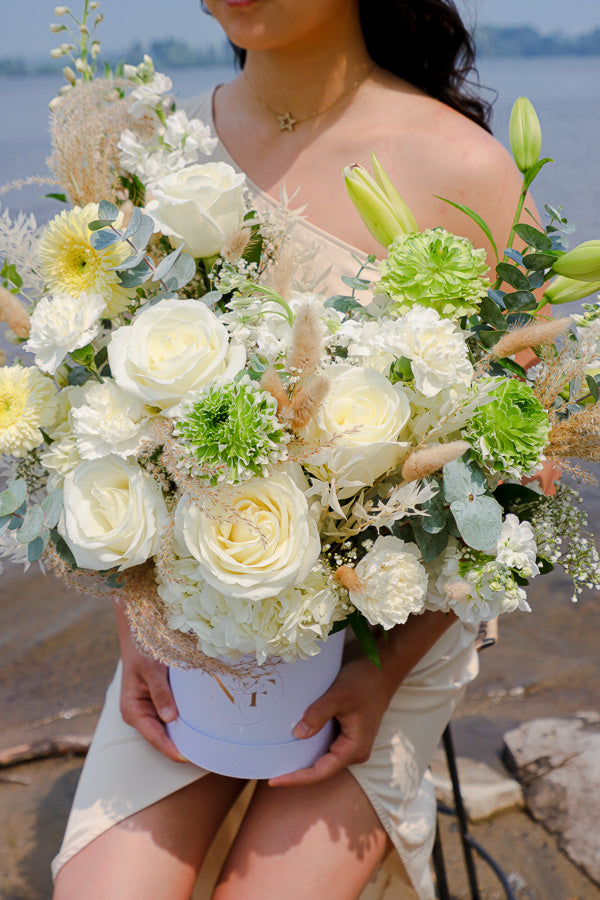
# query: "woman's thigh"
154, 854
306, 842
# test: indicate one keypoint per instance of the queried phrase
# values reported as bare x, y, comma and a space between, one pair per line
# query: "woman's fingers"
160, 693
147, 703
342, 753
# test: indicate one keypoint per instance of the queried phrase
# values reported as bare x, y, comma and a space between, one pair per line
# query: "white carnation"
394, 582
61, 324
109, 420
436, 348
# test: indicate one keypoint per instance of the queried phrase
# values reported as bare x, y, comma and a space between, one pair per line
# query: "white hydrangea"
60, 324
289, 626
436, 348
108, 420
516, 547
394, 582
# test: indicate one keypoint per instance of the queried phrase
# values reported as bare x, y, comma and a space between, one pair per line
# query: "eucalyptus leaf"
135, 223
107, 210
463, 477
430, 545
79, 376
357, 284
99, 224
136, 259
13, 497
166, 264
539, 261
182, 272
537, 279
518, 300
513, 276
100, 240
33, 525
518, 498
479, 520
592, 383
533, 237
4, 523
490, 338
435, 520
509, 365
515, 256
35, 549
134, 277
52, 505
143, 234
497, 297
491, 314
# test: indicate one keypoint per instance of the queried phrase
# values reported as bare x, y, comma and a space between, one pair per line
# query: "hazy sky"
24, 26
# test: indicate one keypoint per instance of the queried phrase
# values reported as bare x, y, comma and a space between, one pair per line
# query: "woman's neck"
309, 76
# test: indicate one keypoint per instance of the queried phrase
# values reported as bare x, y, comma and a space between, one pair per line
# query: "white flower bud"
95, 50
61, 10
56, 27
69, 75
80, 65
57, 52
54, 103
84, 29
94, 5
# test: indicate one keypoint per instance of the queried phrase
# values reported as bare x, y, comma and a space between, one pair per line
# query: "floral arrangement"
265, 464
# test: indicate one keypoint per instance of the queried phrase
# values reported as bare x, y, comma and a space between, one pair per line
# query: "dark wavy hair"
424, 42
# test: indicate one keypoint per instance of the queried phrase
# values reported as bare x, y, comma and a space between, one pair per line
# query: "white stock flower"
200, 206
260, 540
516, 546
365, 414
436, 348
147, 96
61, 324
171, 349
394, 582
365, 343
114, 513
108, 420
191, 136
290, 625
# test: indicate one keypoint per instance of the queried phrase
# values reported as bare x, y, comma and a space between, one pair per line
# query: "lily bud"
385, 215
525, 134
582, 263
567, 290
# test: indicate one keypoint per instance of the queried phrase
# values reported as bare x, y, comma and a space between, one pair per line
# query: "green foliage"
33, 522
477, 514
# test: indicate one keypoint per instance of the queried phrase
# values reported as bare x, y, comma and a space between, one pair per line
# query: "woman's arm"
146, 698
360, 695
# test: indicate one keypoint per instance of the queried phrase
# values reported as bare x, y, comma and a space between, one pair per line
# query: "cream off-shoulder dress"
124, 774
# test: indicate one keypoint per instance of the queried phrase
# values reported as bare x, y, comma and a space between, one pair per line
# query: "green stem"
516, 220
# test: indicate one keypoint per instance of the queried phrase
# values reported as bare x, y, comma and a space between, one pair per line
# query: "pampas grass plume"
272, 384
535, 335
425, 462
306, 403
235, 245
13, 313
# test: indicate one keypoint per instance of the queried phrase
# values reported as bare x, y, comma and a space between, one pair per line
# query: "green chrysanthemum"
232, 432
436, 269
509, 434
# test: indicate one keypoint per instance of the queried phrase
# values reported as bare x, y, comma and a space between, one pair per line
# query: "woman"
323, 84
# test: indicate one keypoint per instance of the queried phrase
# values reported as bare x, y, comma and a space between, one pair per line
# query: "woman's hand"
358, 698
146, 699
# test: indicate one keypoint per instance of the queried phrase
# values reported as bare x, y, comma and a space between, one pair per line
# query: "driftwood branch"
45, 748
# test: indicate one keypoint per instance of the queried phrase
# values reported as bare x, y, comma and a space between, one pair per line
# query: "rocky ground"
57, 653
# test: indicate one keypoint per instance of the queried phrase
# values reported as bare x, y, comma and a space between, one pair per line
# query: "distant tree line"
171, 54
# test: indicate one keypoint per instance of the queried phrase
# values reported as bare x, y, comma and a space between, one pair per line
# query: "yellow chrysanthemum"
71, 265
27, 404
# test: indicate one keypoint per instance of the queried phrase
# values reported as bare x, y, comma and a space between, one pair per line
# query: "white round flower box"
243, 726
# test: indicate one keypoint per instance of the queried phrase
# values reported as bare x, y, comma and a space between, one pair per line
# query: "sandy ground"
58, 650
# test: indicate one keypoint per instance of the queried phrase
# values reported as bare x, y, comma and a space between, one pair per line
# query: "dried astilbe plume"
560, 367
85, 127
13, 313
535, 335
425, 462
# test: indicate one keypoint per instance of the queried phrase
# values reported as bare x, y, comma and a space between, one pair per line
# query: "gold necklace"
287, 122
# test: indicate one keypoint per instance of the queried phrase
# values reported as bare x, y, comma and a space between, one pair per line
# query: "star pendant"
286, 121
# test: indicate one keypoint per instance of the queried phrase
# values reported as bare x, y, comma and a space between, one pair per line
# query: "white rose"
170, 349
437, 350
60, 324
200, 205
262, 540
108, 420
394, 582
114, 513
365, 414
